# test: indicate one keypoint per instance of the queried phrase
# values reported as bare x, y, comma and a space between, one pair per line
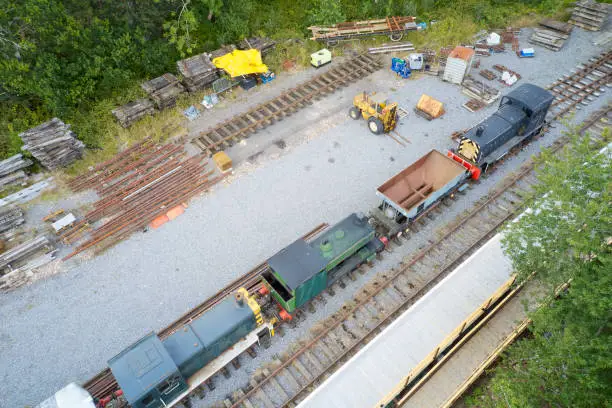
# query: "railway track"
291, 378
233, 130
476, 349
582, 86
104, 384
390, 293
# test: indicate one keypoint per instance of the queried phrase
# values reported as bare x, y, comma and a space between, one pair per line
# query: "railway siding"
231, 131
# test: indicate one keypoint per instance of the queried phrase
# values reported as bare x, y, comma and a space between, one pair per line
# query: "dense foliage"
76, 58
567, 362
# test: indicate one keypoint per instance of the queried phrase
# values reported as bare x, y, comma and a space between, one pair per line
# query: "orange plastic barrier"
159, 221
175, 212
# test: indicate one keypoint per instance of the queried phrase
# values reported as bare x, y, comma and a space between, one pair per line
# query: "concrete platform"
367, 377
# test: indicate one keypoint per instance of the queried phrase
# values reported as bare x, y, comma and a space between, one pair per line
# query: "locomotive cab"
520, 116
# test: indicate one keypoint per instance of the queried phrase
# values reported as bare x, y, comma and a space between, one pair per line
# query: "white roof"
377, 368
64, 222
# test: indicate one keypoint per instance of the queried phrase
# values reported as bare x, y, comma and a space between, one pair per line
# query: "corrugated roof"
462, 52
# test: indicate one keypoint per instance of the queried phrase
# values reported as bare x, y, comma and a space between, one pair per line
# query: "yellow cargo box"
223, 162
429, 108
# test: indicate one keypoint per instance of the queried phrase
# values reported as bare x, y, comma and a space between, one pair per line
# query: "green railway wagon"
303, 269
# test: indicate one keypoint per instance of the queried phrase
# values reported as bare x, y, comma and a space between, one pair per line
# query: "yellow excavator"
376, 110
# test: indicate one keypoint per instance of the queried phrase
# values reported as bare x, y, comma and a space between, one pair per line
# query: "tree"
325, 12
566, 235
181, 29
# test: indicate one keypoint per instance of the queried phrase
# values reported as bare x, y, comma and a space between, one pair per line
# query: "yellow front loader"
380, 114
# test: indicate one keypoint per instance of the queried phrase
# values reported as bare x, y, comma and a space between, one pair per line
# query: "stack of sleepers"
129, 113
11, 170
10, 218
198, 72
552, 35
164, 90
589, 15
264, 45
53, 144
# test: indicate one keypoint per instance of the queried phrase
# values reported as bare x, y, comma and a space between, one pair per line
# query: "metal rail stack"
136, 186
53, 144
589, 15
394, 27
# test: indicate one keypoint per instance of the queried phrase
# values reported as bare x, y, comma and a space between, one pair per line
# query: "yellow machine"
380, 114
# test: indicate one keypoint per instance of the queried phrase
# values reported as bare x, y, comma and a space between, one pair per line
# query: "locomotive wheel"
375, 125
354, 113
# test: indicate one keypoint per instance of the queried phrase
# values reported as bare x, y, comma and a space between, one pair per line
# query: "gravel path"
65, 328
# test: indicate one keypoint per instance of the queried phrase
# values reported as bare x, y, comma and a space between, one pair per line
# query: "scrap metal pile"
53, 144
136, 186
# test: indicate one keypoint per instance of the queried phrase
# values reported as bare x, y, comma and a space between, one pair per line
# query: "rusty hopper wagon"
415, 190
394, 27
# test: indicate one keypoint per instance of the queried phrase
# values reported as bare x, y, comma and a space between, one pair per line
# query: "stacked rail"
231, 131
582, 86
103, 384
137, 186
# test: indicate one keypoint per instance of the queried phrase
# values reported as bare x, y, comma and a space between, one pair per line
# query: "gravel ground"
65, 328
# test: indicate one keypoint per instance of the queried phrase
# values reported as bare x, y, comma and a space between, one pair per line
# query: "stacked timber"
552, 36
11, 170
163, 90
24, 274
226, 49
479, 90
129, 113
53, 144
10, 218
263, 44
198, 72
12, 164
589, 15
20, 252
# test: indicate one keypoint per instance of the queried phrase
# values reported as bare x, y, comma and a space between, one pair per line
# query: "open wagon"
415, 190
394, 27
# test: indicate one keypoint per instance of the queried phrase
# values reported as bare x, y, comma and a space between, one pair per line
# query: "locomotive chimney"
479, 130
239, 298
